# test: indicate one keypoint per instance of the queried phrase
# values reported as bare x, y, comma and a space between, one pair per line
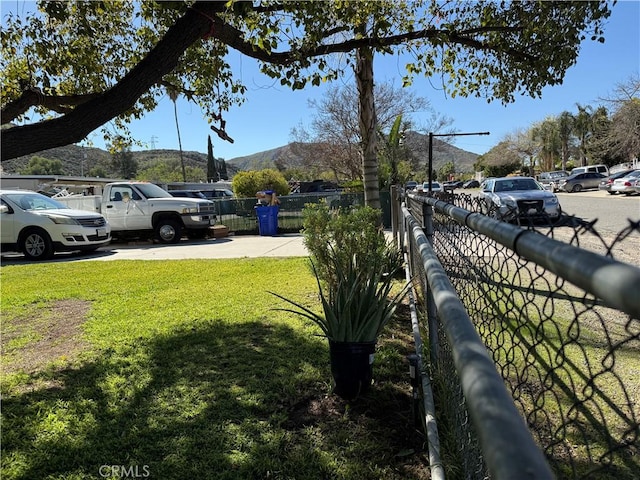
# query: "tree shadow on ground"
217, 400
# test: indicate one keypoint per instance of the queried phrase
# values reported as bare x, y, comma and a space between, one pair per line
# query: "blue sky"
264, 121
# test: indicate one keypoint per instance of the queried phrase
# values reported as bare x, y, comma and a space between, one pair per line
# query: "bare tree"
332, 141
623, 137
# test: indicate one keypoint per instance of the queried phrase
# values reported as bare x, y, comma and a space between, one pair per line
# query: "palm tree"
547, 135
583, 128
173, 95
565, 129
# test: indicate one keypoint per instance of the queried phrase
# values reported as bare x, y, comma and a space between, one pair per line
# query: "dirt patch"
30, 344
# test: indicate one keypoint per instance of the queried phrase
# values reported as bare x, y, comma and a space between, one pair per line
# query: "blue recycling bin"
267, 220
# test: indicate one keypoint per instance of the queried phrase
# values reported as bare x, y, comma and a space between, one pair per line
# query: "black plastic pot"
351, 367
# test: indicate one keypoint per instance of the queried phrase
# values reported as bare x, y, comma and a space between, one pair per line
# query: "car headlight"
61, 219
552, 201
190, 210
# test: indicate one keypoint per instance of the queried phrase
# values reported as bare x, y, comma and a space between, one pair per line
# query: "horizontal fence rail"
556, 324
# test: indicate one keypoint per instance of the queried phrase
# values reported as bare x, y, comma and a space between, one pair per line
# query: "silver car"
436, 187
581, 181
626, 184
516, 198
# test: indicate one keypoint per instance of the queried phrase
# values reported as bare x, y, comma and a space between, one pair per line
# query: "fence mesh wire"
572, 365
238, 214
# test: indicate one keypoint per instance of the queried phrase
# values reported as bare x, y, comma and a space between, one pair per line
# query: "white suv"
38, 226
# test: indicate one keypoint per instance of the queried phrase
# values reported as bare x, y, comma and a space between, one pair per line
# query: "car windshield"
34, 201
150, 190
510, 185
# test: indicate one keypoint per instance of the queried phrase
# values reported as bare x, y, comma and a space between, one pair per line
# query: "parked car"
410, 185
39, 226
603, 169
453, 184
471, 184
435, 187
581, 181
188, 193
316, 186
514, 198
625, 184
550, 180
217, 193
605, 183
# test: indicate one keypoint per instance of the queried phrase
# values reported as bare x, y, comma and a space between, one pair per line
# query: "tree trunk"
368, 130
75, 126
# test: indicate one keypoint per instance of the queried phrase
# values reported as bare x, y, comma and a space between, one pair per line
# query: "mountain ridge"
78, 161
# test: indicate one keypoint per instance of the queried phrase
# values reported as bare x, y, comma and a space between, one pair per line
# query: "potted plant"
356, 290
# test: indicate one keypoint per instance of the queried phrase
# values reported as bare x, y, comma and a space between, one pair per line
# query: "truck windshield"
150, 190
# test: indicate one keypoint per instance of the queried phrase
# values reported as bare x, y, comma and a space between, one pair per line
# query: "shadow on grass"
219, 400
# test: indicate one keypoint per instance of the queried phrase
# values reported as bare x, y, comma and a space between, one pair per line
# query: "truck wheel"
168, 231
36, 245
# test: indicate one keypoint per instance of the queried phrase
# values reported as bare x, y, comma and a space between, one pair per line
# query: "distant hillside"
266, 159
417, 143
76, 160
79, 161
442, 153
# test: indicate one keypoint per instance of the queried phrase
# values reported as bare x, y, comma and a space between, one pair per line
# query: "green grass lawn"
181, 369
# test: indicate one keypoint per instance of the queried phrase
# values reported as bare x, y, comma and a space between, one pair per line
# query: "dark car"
605, 183
411, 185
453, 184
581, 181
187, 193
217, 193
513, 198
317, 186
471, 184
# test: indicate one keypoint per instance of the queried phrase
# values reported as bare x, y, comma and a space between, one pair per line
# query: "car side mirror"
4, 209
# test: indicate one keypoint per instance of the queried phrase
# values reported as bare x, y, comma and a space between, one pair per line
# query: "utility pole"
431, 135
153, 142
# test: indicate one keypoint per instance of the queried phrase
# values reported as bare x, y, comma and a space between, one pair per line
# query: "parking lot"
611, 211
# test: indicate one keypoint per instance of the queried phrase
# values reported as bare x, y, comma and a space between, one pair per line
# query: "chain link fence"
239, 214
559, 318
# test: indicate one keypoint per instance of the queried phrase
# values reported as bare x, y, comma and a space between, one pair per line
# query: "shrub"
247, 184
336, 238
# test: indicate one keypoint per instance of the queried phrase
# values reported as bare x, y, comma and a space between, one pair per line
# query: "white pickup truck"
144, 210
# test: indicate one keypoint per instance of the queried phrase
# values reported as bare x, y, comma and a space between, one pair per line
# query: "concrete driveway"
233, 246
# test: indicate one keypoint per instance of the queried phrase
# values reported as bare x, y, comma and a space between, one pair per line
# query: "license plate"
101, 232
